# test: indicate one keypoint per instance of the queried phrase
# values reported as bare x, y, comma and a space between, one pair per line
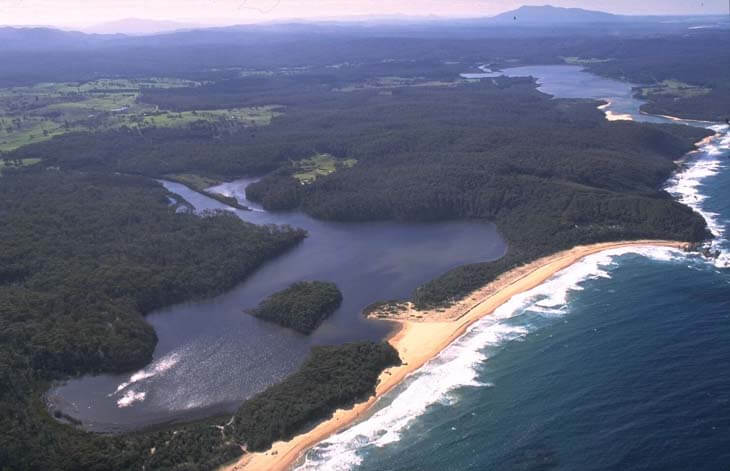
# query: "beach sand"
422, 335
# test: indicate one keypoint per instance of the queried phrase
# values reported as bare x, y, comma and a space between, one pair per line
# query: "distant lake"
573, 81
211, 355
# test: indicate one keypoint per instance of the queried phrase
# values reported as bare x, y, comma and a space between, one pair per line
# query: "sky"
89, 12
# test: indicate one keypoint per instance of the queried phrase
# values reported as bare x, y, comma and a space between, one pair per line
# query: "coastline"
420, 340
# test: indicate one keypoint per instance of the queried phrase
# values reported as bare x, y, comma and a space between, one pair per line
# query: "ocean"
619, 362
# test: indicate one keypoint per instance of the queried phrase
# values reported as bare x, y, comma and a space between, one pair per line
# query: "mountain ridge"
140, 27
544, 14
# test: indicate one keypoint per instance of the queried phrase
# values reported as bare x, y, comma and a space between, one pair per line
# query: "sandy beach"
422, 335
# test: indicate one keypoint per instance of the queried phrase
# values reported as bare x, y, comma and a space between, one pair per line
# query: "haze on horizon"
66, 13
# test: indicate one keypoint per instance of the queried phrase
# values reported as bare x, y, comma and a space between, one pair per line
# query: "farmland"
40, 112
307, 170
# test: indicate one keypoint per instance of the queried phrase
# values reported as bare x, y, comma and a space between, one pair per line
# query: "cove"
211, 355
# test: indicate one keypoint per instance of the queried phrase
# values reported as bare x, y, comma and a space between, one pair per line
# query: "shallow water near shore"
618, 362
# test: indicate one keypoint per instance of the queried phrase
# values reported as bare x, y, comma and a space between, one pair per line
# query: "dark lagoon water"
619, 362
211, 355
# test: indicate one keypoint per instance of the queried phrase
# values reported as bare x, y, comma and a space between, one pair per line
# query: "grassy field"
254, 116
321, 164
674, 88
37, 113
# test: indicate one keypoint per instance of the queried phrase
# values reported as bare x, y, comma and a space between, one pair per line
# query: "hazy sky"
86, 12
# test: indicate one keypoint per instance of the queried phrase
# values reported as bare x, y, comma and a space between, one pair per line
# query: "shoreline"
419, 341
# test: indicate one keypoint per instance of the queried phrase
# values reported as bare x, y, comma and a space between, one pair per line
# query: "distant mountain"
528, 21
544, 15
139, 27
45, 38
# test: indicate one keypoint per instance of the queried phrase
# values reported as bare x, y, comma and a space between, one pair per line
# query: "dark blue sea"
621, 362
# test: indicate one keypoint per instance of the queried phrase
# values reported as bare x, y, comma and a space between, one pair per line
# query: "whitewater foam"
686, 187
457, 366
130, 397
158, 367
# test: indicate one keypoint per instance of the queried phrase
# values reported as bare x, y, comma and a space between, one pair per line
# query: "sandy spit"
423, 335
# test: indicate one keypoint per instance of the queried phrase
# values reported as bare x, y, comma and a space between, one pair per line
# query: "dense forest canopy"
302, 306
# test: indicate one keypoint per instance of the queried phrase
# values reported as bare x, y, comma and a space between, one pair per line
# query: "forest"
302, 306
336, 376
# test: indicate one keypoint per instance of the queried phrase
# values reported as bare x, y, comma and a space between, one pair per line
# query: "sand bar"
418, 341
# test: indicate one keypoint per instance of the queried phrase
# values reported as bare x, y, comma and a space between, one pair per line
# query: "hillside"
137, 26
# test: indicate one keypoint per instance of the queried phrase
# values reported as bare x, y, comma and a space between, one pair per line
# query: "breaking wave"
686, 186
457, 366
